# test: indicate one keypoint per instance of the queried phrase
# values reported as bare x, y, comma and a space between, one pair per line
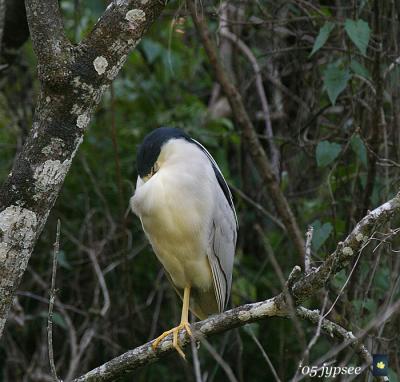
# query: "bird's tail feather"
203, 303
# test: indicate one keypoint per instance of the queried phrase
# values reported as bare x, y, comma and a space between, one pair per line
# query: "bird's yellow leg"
184, 324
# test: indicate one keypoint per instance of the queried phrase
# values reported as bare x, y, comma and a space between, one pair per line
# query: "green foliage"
321, 234
326, 152
359, 32
335, 81
359, 69
57, 319
359, 148
322, 37
323, 172
339, 280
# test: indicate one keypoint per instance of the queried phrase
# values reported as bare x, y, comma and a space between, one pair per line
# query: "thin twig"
265, 355
102, 283
261, 93
307, 258
258, 206
220, 360
196, 361
51, 305
250, 136
314, 339
303, 288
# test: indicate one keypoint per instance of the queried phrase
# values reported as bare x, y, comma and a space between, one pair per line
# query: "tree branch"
50, 43
256, 150
274, 152
144, 354
346, 250
305, 287
73, 80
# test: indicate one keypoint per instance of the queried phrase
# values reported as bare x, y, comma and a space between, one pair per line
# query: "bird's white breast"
175, 207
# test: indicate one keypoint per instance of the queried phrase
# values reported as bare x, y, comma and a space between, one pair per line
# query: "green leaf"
357, 304
370, 305
359, 69
339, 279
57, 319
327, 152
359, 32
359, 148
335, 81
62, 260
393, 376
322, 37
320, 234
252, 329
152, 49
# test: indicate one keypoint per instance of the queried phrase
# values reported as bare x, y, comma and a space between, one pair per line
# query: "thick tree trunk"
73, 80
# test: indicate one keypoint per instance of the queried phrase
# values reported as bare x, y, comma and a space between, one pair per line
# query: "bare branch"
227, 369
261, 94
51, 305
346, 250
305, 287
51, 45
307, 258
256, 150
144, 354
72, 83
46, 27
265, 355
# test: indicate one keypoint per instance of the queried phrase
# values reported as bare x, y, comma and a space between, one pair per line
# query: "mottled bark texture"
305, 287
144, 354
73, 79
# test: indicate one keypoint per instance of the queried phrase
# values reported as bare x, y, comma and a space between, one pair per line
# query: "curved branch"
305, 287
256, 149
73, 80
144, 354
274, 151
346, 250
46, 27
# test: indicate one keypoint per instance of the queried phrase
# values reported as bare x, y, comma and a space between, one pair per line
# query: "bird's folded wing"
221, 249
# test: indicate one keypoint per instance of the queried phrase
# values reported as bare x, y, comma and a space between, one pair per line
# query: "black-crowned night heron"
187, 213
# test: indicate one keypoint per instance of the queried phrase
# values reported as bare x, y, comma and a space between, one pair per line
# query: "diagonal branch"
256, 149
144, 354
46, 27
274, 151
346, 250
73, 80
48, 37
304, 288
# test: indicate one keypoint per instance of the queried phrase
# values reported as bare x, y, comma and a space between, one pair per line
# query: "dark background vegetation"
335, 117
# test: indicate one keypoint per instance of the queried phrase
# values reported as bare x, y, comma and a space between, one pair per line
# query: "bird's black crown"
150, 148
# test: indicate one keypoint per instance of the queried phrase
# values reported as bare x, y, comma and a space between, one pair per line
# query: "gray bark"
297, 287
73, 79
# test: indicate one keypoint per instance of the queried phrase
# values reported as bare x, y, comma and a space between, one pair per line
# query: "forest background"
319, 85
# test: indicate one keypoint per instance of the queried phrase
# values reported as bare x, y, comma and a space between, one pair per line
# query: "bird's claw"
175, 332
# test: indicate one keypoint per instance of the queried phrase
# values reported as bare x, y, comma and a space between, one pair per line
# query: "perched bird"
187, 213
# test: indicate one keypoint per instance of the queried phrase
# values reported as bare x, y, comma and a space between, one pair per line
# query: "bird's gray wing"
221, 248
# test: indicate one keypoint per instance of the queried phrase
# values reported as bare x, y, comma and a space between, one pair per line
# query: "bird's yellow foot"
175, 331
